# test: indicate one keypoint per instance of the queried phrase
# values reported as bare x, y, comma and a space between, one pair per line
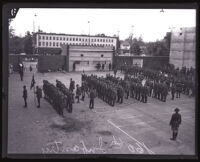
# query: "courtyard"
129, 128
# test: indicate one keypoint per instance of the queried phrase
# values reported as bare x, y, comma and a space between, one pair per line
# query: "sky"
150, 24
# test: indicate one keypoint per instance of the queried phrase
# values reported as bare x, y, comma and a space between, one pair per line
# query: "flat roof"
84, 35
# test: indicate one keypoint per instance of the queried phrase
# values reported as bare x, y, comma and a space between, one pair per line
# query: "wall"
15, 59
182, 48
148, 61
51, 62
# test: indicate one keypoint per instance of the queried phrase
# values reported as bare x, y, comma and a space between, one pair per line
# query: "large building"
183, 47
50, 43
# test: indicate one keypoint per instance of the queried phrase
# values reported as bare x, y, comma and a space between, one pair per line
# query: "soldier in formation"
38, 95
25, 95
69, 95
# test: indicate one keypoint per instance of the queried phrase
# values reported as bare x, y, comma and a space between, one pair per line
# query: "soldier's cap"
176, 110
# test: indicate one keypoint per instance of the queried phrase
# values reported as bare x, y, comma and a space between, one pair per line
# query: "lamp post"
131, 38
89, 31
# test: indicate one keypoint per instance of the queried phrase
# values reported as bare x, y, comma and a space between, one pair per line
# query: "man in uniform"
38, 95
78, 92
72, 85
173, 90
174, 123
25, 95
92, 96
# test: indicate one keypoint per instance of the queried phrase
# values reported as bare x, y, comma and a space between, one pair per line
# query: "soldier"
127, 89
72, 85
21, 71
109, 66
173, 90
178, 90
83, 88
145, 94
92, 96
121, 94
174, 123
38, 95
115, 72
30, 68
78, 92
25, 95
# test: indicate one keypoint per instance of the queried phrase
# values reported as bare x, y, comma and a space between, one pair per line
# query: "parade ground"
129, 128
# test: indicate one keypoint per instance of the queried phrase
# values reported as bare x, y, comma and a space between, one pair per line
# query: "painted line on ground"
151, 152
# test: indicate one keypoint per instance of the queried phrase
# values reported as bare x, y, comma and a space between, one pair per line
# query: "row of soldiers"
132, 87
183, 82
106, 90
67, 93
55, 97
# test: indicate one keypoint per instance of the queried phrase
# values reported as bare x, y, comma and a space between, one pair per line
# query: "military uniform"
25, 95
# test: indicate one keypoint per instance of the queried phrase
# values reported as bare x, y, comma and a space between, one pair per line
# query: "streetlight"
89, 31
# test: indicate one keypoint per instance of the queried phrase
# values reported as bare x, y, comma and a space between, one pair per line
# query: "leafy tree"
28, 48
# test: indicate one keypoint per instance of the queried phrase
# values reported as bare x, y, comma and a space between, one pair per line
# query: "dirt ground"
129, 128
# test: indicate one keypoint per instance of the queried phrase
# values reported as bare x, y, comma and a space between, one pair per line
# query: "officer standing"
174, 123
38, 95
92, 96
72, 85
25, 95
109, 66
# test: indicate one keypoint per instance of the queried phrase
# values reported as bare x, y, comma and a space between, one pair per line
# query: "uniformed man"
38, 95
92, 96
174, 123
21, 71
83, 89
173, 90
72, 85
78, 93
25, 95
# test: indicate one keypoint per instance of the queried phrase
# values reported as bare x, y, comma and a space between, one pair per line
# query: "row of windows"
59, 44
74, 39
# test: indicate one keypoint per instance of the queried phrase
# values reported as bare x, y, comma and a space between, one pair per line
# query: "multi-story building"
183, 47
50, 43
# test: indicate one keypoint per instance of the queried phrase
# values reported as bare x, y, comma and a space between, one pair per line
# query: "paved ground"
129, 128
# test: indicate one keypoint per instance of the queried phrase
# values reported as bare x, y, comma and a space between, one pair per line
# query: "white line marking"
151, 152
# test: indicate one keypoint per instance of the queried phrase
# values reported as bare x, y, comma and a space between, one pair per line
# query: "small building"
79, 58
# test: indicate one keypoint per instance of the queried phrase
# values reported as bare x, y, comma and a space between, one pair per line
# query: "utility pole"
89, 31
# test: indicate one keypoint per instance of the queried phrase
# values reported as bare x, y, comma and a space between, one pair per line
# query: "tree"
28, 48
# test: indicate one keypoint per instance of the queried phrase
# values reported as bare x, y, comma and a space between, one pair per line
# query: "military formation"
55, 97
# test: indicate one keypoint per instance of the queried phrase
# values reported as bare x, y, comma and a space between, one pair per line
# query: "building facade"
50, 43
183, 47
86, 58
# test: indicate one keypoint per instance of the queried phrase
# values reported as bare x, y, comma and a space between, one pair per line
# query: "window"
79, 39
101, 55
82, 39
39, 43
64, 38
46, 43
39, 37
43, 37
73, 39
81, 55
53, 43
76, 39
53, 38
57, 44
97, 40
60, 38
46, 38
70, 39
49, 43
103, 40
112, 40
86, 39
43, 44
57, 38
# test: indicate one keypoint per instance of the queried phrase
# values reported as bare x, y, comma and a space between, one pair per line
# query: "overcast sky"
151, 24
